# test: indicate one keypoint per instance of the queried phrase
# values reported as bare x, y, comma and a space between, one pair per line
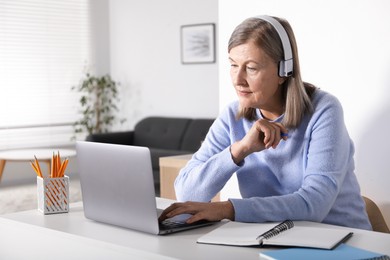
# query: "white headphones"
286, 65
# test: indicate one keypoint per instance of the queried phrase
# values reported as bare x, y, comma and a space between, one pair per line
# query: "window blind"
44, 49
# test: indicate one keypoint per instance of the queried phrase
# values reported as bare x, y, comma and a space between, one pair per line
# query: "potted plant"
99, 96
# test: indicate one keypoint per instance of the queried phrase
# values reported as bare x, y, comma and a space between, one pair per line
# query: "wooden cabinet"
170, 167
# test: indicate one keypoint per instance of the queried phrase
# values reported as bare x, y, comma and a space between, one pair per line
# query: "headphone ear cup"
281, 69
285, 68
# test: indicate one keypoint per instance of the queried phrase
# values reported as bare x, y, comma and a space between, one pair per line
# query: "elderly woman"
284, 138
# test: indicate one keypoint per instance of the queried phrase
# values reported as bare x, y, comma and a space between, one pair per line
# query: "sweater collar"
260, 116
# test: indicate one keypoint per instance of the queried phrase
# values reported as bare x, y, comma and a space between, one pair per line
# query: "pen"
283, 134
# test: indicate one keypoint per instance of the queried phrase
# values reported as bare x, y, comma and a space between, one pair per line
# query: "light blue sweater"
310, 176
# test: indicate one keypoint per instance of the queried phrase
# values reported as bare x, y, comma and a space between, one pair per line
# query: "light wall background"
343, 47
145, 58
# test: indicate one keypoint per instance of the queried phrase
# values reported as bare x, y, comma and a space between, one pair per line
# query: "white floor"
24, 197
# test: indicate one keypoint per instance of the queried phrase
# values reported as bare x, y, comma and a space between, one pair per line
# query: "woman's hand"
262, 135
211, 211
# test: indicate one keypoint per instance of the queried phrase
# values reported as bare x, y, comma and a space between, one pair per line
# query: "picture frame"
198, 43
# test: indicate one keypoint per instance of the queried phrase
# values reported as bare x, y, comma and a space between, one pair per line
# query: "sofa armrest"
125, 137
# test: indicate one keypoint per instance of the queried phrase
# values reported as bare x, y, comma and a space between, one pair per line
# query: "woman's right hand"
262, 135
211, 211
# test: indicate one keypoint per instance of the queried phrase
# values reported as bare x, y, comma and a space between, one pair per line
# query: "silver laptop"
117, 188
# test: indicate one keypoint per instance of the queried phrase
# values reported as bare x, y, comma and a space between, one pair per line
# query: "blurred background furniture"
170, 167
164, 136
43, 155
377, 220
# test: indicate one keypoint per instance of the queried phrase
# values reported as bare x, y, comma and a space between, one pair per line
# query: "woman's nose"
238, 77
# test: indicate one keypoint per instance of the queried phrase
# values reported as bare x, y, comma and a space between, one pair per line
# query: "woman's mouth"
243, 92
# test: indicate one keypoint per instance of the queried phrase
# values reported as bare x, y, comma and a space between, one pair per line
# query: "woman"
285, 139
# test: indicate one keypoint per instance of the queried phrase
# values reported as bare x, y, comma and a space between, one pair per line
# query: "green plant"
99, 96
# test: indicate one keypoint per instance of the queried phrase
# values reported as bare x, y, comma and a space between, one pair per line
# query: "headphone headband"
286, 65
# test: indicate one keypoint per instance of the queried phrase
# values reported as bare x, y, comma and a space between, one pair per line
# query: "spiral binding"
276, 230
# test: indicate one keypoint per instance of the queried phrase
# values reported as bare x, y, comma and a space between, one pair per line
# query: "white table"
28, 234
25, 155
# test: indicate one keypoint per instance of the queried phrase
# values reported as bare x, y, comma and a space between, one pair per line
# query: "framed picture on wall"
198, 43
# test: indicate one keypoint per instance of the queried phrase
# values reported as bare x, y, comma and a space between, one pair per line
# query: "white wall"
145, 58
100, 37
343, 48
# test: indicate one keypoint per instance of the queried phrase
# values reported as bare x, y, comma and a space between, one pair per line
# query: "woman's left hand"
211, 211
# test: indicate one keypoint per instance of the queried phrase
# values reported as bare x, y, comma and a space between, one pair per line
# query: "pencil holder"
53, 195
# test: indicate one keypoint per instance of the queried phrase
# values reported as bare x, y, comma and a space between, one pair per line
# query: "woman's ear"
282, 80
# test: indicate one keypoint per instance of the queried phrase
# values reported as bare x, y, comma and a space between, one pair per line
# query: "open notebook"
288, 233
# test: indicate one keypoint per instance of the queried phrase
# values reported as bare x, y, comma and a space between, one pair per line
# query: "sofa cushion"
195, 134
160, 132
125, 137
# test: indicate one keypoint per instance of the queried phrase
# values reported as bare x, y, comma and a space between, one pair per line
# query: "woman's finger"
277, 136
269, 132
169, 211
272, 132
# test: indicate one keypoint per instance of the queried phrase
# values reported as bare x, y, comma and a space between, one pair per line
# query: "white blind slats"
44, 48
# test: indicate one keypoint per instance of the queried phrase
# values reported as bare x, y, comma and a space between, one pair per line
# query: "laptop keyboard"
168, 224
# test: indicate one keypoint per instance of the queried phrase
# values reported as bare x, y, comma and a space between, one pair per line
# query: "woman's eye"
233, 67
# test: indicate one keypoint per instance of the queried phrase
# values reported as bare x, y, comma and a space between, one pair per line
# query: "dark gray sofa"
164, 136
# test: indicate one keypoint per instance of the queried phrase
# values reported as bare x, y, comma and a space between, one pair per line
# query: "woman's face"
255, 77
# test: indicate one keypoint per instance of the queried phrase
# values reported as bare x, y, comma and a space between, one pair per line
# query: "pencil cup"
53, 195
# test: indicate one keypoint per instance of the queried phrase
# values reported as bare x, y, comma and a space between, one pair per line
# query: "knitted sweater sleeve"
211, 166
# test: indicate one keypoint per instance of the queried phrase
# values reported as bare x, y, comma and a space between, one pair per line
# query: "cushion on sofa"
125, 137
195, 134
160, 132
